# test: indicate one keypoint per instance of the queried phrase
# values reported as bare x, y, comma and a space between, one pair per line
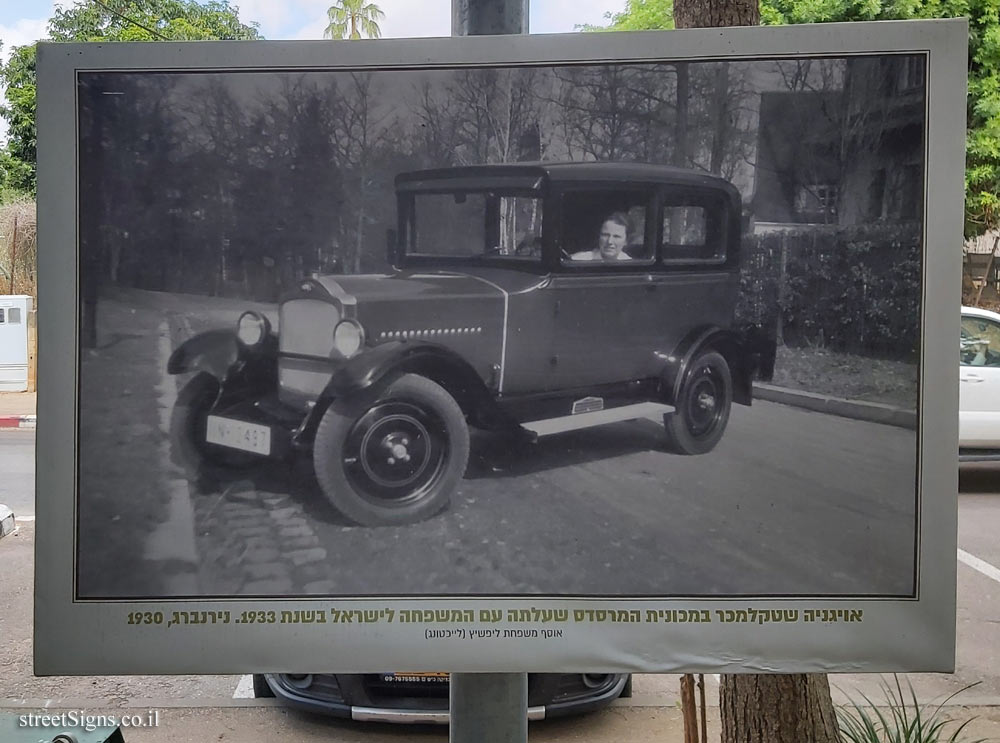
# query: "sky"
24, 21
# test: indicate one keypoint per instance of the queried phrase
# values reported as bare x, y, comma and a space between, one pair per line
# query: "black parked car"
526, 298
423, 697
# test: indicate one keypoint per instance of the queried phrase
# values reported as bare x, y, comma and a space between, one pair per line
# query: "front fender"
221, 354
366, 372
214, 351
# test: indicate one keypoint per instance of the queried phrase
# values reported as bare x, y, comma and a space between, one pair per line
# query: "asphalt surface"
17, 465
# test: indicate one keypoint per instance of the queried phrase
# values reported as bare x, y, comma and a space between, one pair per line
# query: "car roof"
564, 172
979, 312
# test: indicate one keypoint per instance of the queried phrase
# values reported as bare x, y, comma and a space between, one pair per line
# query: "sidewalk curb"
17, 421
873, 412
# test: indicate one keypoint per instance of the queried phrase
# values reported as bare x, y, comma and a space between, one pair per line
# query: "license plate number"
418, 678
238, 435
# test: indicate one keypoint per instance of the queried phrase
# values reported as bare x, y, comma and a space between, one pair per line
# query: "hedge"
851, 289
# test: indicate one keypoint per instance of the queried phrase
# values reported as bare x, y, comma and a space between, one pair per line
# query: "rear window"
692, 232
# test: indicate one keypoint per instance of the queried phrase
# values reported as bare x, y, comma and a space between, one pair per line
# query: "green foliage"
905, 721
351, 18
854, 289
137, 20
17, 158
639, 15
150, 20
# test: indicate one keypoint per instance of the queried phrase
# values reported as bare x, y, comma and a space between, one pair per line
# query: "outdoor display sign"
594, 352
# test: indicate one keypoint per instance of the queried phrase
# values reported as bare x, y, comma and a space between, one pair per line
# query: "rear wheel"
702, 407
394, 460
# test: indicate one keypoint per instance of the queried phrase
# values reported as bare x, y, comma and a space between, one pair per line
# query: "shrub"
853, 289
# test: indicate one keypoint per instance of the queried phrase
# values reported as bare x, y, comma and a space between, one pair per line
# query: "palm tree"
350, 18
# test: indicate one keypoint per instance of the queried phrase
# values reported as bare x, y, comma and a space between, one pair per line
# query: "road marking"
244, 689
24, 518
981, 565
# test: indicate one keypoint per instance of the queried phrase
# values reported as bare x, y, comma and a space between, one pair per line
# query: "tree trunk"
681, 124
707, 13
772, 708
763, 708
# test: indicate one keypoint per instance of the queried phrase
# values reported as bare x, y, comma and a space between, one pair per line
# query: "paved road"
605, 511
17, 465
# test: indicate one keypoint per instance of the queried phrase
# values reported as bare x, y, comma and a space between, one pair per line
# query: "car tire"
702, 407
261, 689
188, 449
395, 459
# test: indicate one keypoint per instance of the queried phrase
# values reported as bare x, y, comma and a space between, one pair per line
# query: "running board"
597, 418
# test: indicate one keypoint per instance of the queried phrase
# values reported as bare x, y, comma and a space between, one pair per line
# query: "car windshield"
475, 224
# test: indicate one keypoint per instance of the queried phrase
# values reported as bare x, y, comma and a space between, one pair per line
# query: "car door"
979, 383
603, 318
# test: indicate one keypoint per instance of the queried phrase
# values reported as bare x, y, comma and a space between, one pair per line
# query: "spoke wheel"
395, 460
702, 407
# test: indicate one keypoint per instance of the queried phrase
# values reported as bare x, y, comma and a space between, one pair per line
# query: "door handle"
973, 380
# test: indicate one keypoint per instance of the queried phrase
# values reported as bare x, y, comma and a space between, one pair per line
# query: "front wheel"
188, 423
395, 460
702, 407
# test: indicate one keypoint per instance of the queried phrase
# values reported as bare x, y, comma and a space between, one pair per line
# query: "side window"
2, 318
14, 316
520, 232
980, 342
605, 226
693, 233
449, 224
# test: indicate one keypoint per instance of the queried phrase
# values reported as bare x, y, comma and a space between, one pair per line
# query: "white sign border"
83, 637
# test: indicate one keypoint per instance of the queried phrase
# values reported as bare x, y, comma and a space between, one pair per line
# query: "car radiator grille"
306, 327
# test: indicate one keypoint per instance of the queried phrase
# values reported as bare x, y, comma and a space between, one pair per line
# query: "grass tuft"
901, 719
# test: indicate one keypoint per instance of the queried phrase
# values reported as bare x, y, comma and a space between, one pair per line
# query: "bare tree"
361, 132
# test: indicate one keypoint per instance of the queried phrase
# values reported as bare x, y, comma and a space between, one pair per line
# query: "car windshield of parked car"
605, 226
980, 342
475, 224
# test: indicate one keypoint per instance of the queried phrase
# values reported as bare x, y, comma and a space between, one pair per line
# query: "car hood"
417, 285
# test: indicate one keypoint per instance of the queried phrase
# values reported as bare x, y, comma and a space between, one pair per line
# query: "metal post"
489, 707
486, 17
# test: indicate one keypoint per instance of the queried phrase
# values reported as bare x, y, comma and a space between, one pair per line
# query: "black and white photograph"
618, 329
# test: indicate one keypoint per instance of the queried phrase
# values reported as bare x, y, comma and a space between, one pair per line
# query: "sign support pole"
488, 707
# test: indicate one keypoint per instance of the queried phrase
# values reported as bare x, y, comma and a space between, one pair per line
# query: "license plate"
238, 435
418, 678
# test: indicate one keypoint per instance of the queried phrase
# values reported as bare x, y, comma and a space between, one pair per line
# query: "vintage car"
423, 697
524, 298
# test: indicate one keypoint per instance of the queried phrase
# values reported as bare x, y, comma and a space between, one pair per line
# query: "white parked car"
979, 390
